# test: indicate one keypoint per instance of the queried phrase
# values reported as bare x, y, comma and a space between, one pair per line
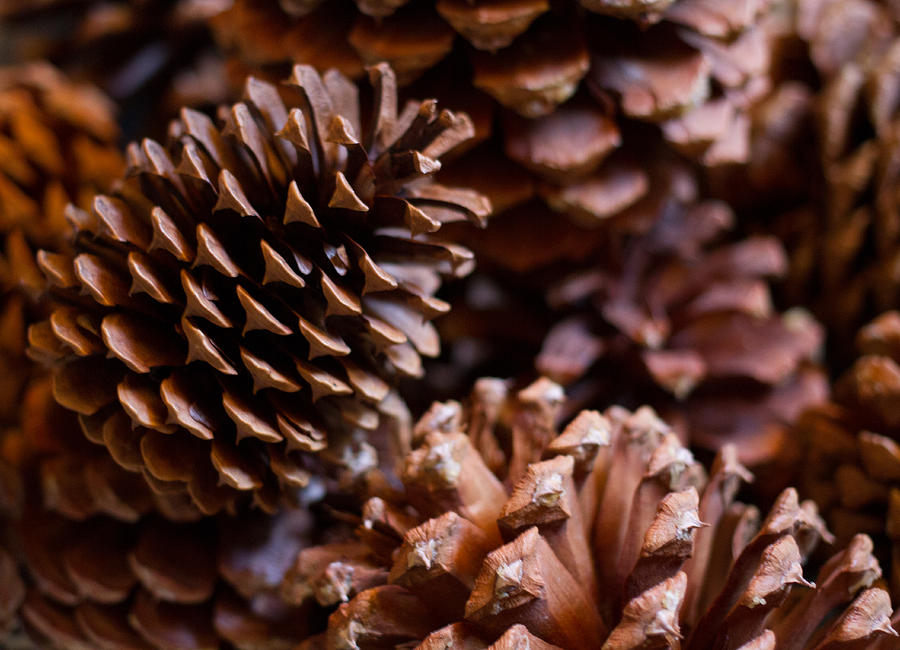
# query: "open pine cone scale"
255, 291
616, 539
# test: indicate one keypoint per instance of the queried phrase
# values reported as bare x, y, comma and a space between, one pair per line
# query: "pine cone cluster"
578, 108
853, 458
247, 296
232, 324
508, 534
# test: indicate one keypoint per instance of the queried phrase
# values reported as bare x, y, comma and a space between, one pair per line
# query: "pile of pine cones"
369, 324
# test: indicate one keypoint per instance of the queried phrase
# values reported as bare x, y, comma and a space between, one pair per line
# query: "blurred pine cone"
247, 296
852, 459
58, 144
844, 239
692, 66
151, 56
678, 310
108, 563
616, 538
655, 306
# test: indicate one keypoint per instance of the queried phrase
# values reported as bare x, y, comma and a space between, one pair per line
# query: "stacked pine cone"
572, 86
508, 534
561, 93
696, 68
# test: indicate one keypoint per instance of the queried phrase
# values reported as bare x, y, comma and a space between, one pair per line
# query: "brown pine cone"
149, 583
58, 144
852, 458
247, 297
509, 534
655, 306
692, 66
108, 563
844, 239
152, 56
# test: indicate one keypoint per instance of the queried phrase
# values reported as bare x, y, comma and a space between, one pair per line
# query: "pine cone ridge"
481, 558
247, 298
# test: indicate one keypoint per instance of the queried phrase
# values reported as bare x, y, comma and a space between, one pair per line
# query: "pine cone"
653, 307
151, 56
696, 71
616, 538
844, 240
58, 142
247, 297
153, 584
852, 461
111, 564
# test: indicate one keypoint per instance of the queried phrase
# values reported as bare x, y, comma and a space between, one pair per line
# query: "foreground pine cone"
852, 460
616, 538
247, 297
58, 140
